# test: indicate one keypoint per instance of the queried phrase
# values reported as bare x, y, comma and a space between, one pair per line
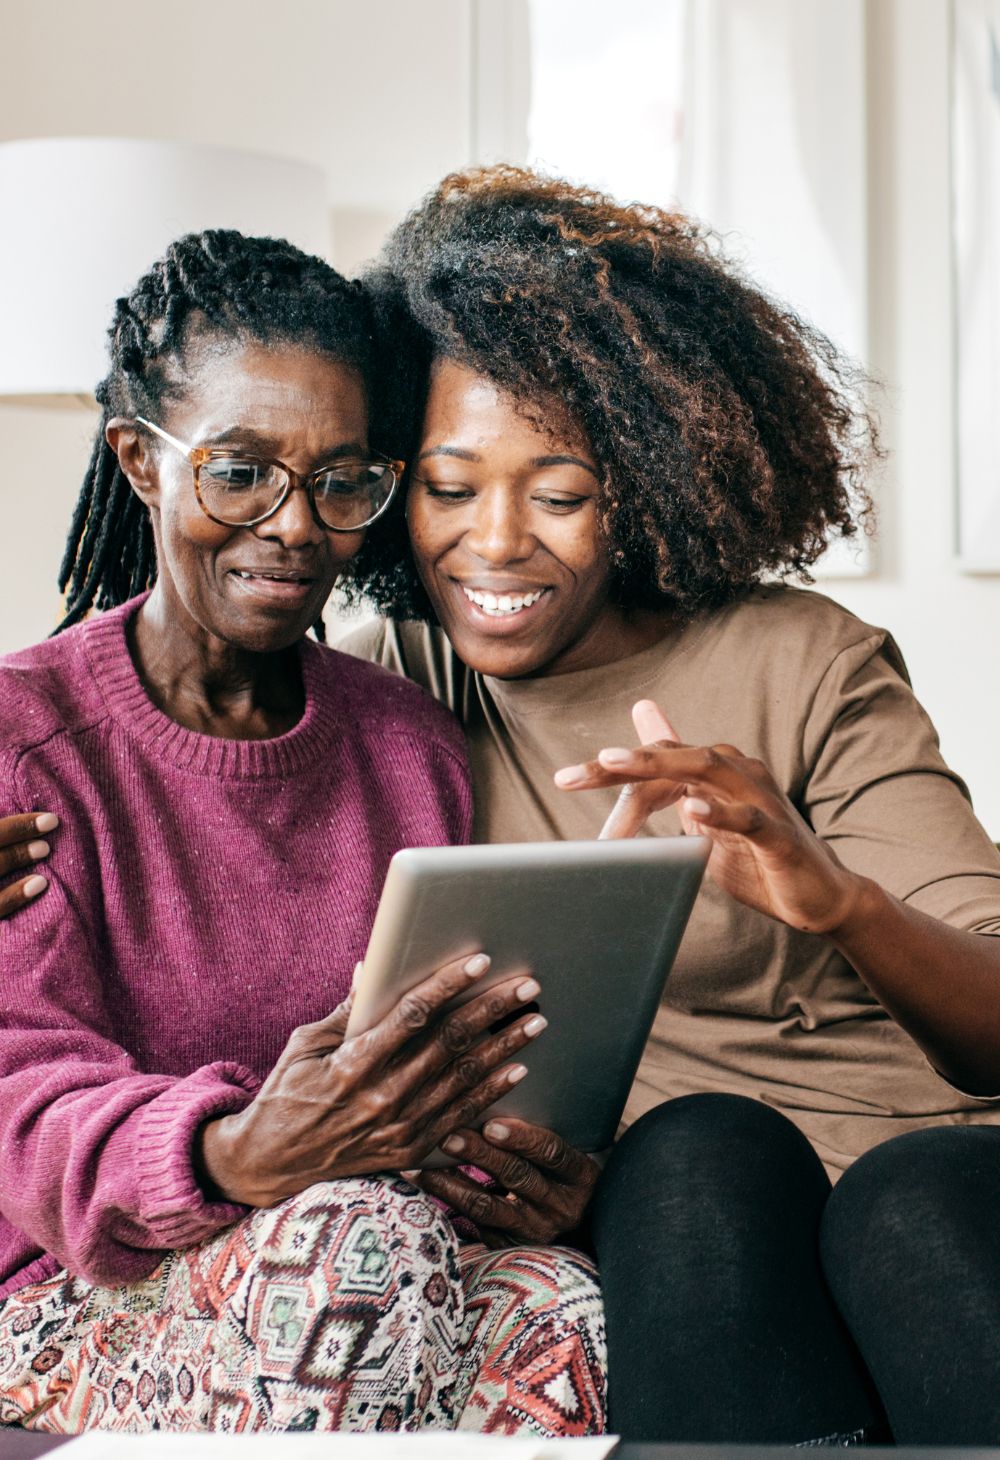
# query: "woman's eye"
561, 504
445, 493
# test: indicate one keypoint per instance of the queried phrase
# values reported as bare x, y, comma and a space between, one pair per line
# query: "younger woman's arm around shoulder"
22, 847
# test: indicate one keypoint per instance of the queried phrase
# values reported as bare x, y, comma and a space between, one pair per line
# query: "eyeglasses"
240, 491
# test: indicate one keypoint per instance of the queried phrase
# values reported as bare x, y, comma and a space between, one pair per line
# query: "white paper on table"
430, 1445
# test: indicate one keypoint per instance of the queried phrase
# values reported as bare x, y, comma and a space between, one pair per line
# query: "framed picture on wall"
976, 233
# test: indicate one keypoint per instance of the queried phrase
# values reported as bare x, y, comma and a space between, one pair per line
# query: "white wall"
376, 93
380, 95
948, 625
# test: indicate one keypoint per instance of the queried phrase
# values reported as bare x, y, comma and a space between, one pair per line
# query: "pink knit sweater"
206, 897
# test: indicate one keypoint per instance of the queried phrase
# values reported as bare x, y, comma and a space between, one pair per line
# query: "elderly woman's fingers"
489, 1209
417, 1009
406, 1139
17, 896
465, 1109
469, 1070
542, 1147
455, 1032
512, 1171
510, 1214
421, 1037
551, 1182
334, 1106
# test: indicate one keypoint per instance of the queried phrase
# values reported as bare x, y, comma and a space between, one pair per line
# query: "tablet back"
598, 923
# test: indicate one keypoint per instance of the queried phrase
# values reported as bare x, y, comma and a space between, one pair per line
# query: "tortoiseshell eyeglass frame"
197, 456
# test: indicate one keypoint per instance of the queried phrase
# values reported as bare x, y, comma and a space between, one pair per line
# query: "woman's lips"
270, 588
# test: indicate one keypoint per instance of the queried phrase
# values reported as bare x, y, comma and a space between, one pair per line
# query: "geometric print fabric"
351, 1306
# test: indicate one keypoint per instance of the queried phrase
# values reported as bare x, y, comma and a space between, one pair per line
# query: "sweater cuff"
173, 1207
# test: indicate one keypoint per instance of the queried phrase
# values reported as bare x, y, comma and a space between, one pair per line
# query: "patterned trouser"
349, 1307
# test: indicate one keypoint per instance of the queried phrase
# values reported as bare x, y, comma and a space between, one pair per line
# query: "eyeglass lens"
239, 491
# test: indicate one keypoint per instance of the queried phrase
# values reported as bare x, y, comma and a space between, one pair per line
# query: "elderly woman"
193, 1230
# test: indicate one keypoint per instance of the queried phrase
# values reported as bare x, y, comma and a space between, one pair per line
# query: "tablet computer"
598, 924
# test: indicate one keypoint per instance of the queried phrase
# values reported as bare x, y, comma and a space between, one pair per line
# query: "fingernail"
36, 850
570, 774
476, 965
536, 1024
615, 756
46, 822
528, 990
494, 1131
453, 1145
516, 1073
34, 886
696, 807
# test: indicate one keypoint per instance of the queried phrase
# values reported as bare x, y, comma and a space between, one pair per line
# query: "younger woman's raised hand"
379, 1101
763, 852
22, 845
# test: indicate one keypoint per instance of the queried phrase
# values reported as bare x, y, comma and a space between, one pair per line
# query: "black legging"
911, 1247
720, 1326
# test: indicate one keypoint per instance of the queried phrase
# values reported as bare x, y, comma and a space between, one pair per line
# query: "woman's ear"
135, 457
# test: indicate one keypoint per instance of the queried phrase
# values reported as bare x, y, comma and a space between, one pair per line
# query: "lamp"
85, 217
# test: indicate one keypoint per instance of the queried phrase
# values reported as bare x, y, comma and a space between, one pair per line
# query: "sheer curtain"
749, 114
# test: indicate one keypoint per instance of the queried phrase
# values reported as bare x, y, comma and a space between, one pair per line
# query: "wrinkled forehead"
269, 398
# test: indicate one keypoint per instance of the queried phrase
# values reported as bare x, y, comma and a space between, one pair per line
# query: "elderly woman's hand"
379, 1101
547, 1184
21, 846
763, 852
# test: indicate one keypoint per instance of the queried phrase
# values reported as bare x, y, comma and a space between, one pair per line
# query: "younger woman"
616, 446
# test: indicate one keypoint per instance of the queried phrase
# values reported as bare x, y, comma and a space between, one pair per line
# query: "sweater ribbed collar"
106, 647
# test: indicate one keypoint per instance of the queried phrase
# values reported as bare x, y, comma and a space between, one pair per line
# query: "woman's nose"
293, 524
499, 530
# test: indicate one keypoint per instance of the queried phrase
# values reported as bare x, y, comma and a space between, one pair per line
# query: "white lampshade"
84, 217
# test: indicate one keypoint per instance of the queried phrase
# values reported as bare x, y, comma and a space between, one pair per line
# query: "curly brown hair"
733, 438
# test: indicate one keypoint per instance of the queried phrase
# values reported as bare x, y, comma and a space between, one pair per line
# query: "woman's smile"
284, 586
505, 523
502, 608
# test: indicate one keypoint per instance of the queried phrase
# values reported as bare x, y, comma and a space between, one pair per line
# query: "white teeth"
505, 604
